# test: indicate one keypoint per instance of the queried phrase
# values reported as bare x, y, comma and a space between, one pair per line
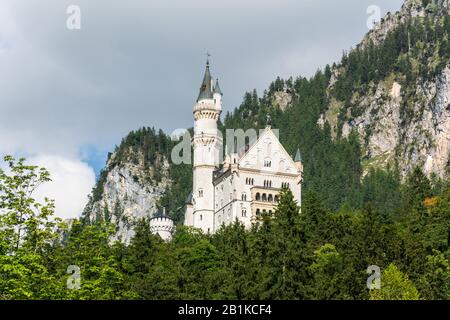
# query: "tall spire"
217, 88
206, 87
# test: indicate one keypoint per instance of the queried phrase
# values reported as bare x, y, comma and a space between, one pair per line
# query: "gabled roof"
267, 131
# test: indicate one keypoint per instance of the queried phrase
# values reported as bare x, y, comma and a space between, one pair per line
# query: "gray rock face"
128, 195
281, 99
423, 140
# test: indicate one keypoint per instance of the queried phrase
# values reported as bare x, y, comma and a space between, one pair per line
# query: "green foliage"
26, 232
435, 282
312, 253
395, 285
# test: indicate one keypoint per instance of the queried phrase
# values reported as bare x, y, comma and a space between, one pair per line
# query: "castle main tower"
207, 145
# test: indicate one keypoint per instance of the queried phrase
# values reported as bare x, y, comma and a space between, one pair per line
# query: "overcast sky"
68, 96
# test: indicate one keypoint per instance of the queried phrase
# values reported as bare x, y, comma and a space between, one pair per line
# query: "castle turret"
207, 145
217, 94
298, 161
162, 225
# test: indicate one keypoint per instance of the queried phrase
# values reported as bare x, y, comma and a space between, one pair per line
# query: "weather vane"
207, 57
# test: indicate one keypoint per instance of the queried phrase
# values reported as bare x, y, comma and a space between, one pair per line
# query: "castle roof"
217, 88
206, 90
298, 156
189, 198
160, 214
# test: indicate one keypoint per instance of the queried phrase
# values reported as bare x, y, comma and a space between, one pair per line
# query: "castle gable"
268, 154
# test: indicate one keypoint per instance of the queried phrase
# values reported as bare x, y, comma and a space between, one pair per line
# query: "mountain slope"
394, 90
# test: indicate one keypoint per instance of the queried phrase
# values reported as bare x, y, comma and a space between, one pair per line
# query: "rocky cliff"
132, 184
396, 86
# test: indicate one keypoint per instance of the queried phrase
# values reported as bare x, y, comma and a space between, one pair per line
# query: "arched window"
270, 198
276, 198
264, 197
258, 212
244, 197
258, 196
200, 193
253, 181
244, 213
201, 217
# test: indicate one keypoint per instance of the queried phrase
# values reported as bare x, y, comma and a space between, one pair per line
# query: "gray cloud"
138, 63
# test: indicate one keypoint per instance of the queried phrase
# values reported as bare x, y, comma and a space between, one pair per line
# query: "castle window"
258, 212
258, 196
244, 197
276, 198
201, 217
282, 165
267, 163
270, 198
244, 213
200, 193
264, 197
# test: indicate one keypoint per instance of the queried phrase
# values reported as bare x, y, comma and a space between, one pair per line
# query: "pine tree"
395, 285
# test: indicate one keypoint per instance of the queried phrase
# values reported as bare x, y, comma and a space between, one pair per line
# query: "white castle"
247, 183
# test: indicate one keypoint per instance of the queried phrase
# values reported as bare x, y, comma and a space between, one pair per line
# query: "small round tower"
162, 225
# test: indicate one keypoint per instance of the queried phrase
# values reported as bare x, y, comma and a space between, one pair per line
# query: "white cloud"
72, 181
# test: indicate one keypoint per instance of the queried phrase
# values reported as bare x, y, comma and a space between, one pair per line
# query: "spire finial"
207, 58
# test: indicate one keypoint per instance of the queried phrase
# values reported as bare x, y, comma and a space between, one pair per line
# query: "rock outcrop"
128, 191
389, 137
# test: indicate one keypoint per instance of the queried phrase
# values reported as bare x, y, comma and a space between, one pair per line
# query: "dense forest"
317, 253
351, 217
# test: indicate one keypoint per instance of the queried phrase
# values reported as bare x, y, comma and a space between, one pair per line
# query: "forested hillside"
316, 254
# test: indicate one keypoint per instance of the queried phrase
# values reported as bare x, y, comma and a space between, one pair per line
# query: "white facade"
243, 186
